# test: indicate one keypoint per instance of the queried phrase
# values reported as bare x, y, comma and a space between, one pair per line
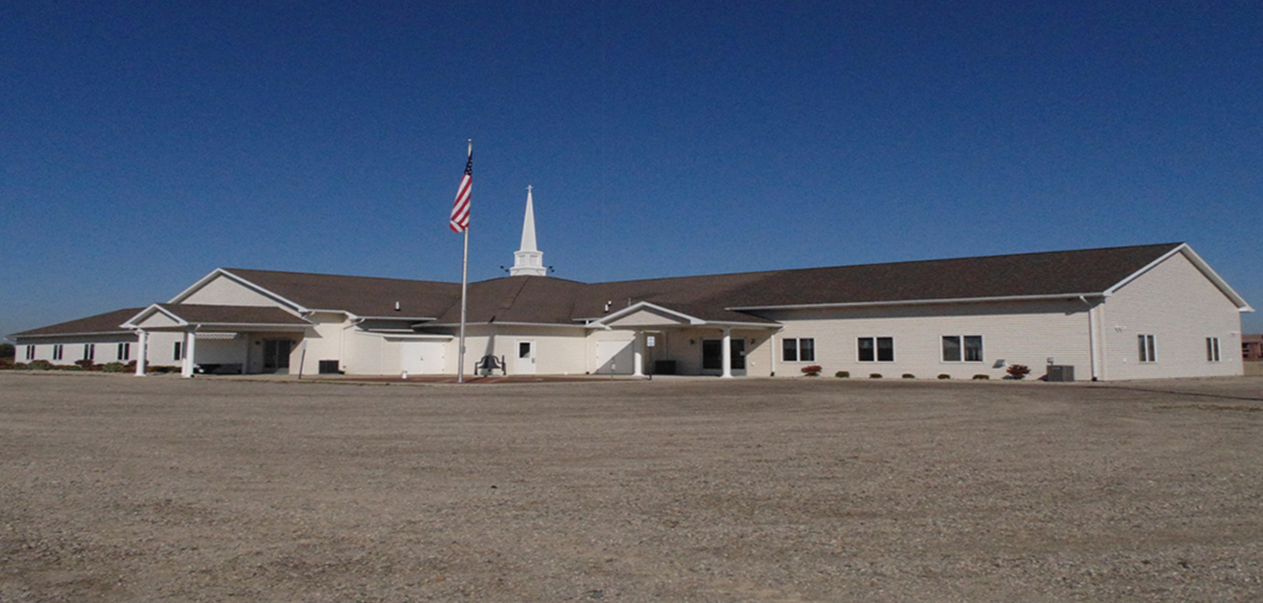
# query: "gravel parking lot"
115, 488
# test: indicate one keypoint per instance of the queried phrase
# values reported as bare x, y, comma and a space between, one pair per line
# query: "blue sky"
143, 144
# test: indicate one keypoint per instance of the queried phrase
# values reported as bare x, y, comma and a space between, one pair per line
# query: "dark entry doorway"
713, 354
276, 354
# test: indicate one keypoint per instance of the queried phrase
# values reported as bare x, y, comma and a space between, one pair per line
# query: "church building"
1138, 312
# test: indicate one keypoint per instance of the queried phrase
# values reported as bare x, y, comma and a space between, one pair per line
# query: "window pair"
876, 349
966, 348
799, 350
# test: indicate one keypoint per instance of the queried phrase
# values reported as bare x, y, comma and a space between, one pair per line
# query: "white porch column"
638, 355
727, 354
142, 355
186, 368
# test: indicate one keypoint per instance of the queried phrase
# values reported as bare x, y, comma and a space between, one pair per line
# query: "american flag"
460, 210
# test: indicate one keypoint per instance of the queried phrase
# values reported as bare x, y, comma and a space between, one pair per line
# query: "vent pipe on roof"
396, 306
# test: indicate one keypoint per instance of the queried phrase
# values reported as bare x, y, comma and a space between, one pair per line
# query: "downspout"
1091, 337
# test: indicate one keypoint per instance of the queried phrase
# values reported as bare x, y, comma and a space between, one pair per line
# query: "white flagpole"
464, 289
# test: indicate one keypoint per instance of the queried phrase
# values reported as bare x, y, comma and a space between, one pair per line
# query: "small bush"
114, 367
842, 374
40, 365
944, 376
812, 371
1018, 371
908, 376
874, 375
87, 365
20, 366
5, 364
982, 377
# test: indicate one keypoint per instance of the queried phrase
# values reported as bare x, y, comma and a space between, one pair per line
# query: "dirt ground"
116, 488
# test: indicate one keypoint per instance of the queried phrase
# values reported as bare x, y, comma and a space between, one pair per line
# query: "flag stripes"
460, 209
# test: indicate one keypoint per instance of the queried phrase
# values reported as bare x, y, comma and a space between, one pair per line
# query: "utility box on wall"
1060, 372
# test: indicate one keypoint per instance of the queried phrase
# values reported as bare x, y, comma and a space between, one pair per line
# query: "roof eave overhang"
922, 302
605, 321
411, 318
693, 321
503, 323
133, 322
17, 336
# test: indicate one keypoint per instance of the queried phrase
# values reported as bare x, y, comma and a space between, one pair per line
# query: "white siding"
223, 291
1180, 307
1028, 333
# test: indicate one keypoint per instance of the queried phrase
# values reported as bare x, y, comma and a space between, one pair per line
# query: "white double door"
423, 357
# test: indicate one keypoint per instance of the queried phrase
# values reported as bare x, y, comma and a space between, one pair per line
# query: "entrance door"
422, 357
713, 356
276, 355
738, 356
525, 364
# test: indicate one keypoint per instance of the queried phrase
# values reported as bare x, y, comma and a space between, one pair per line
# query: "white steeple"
528, 261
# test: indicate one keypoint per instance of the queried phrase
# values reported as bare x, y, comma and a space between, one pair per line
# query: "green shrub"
842, 374
981, 377
87, 365
944, 376
5, 364
40, 365
874, 375
114, 367
908, 376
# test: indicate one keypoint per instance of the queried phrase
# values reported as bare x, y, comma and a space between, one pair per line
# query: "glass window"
973, 348
807, 350
30, 352
1147, 348
124, 351
951, 348
880, 349
58, 350
885, 349
176, 355
1212, 349
866, 350
89, 351
799, 350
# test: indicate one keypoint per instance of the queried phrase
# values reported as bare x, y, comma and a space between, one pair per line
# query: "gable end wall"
1180, 307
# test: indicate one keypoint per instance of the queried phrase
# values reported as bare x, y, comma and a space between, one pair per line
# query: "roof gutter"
921, 302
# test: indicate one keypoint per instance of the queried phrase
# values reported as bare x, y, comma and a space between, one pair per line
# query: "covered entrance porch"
222, 339
669, 340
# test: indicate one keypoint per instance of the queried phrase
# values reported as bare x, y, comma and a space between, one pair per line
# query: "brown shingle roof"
1018, 275
100, 324
232, 315
360, 295
547, 300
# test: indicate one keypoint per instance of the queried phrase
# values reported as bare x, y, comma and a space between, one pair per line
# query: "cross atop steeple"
528, 261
